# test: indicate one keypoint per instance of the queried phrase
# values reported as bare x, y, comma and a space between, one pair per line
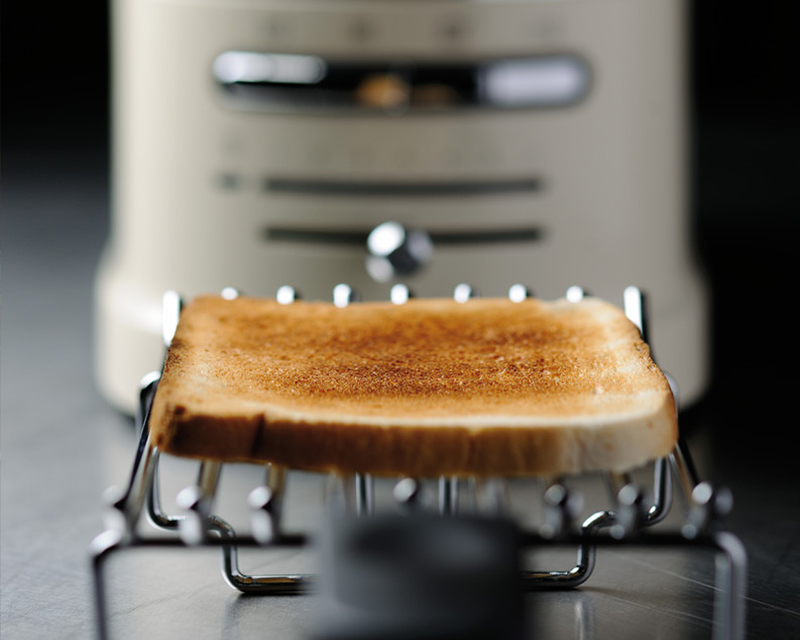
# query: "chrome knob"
396, 251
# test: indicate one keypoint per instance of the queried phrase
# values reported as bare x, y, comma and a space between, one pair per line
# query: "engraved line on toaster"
439, 238
401, 189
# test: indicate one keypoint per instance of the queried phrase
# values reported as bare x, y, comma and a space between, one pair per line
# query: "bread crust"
430, 387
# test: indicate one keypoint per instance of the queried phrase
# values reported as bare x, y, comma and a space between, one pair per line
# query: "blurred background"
55, 194
744, 203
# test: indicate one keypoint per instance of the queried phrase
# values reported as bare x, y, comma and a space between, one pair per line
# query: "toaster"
431, 143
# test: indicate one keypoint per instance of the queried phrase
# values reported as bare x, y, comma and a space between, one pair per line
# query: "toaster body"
258, 143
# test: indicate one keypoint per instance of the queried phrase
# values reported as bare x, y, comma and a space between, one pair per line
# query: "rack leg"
158, 518
731, 566
126, 511
584, 566
102, 547
662, 489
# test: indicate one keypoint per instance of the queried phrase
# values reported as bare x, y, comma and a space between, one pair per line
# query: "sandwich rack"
629, 524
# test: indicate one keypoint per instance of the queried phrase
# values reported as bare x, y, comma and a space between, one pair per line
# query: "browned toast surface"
426, 388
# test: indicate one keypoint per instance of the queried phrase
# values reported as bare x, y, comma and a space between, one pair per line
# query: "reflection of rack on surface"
629, 524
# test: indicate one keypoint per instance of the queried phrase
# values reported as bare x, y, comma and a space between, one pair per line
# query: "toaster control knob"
396, 251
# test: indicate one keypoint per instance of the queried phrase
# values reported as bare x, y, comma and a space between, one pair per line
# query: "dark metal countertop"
62, 446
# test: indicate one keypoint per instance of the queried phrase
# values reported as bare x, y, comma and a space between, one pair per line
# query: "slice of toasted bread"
431, 387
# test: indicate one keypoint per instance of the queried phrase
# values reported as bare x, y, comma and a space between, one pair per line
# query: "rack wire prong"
631, 511
448, 495
634, 303
709, 505
575, 293
562, 506
408, 494
286, 295
192, 527
519, 293
463, 292
400, 294
171, 307
266, 504
263, 517
344, 294
616, 482
365, 494
196, 501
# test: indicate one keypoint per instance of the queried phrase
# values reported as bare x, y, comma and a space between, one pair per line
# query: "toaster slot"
401, 189
357, 237
275, 82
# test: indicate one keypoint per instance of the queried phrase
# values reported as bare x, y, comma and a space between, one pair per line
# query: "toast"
431, 387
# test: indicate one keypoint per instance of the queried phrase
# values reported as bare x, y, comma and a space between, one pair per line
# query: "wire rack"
630, 523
